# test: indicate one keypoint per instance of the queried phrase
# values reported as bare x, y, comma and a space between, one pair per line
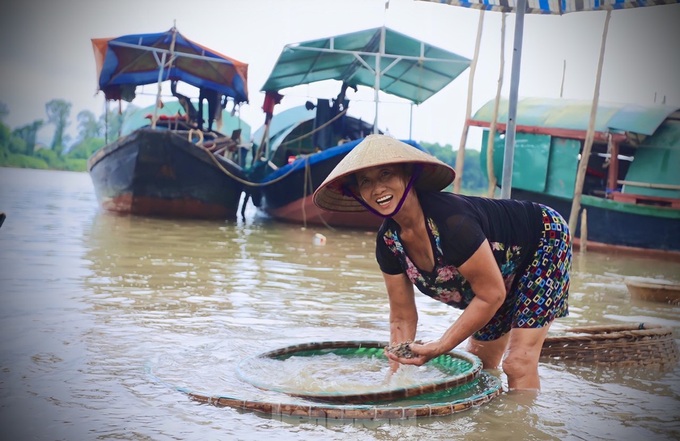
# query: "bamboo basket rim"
616, 344
610, 332
331, 411
364, 348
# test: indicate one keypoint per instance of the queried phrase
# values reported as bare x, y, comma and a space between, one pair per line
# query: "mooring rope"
322, 126
308, 180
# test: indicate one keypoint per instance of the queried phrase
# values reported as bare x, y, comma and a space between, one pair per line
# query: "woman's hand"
423, 353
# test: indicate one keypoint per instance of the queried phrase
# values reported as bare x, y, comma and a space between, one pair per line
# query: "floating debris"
319, 239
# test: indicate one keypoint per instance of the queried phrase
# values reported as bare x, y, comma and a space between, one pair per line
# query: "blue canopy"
137, 59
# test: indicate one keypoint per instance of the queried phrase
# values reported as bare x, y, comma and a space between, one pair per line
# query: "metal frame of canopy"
165, 57
350, 75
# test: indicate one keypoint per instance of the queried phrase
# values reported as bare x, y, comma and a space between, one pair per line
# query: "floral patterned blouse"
457, 225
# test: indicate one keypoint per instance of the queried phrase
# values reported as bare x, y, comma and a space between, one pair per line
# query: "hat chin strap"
417, 168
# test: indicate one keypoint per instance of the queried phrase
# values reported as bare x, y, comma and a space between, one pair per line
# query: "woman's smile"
384, 200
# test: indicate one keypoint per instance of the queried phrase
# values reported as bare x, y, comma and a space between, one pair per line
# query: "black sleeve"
468, 236
388, 262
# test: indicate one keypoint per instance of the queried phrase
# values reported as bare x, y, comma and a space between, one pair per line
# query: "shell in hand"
401, 350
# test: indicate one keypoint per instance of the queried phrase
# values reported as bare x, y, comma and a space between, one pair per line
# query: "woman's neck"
410, 216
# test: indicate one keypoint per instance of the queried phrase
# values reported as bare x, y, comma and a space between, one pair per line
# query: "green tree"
474, 181
85, 148
58, 112
88, 125
5, 132
51, 158
113, 121
5, 136
28, 134
4, 110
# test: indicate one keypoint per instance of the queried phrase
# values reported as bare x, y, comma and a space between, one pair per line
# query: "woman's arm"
403, 312
481, 270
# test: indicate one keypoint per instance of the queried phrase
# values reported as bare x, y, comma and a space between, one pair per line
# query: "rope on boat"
322, 126
264, 184
190, 136
308, 180
241, 180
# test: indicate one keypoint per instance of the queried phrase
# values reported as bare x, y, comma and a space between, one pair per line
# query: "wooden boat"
295, 169
296, 149
631, 191
654, 290
154, 172
174, 165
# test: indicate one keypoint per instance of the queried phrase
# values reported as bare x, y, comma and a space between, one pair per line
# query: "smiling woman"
505, 263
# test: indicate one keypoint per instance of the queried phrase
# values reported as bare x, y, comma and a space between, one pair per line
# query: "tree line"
19, 147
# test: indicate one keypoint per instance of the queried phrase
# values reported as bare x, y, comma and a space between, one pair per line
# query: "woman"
505, 263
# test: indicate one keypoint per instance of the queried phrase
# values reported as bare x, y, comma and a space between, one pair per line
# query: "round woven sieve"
459, 368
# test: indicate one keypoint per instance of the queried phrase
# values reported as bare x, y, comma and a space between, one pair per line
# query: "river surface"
106, 321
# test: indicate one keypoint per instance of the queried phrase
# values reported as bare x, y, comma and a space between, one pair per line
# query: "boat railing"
631, 197
640, 199
649, 185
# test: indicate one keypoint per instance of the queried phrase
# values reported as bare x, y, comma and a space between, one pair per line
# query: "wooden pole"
613, 172
378, 74
564, 71
492, 127
584, 231
588, 144
460, 156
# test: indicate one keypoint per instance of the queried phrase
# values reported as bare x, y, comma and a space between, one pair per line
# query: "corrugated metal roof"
575, 114
409, 68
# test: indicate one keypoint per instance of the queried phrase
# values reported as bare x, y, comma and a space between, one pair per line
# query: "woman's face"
382, 187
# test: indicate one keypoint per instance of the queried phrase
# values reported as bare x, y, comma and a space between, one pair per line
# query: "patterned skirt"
541, 294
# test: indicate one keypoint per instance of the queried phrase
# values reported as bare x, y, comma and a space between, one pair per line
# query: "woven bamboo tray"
621, 345
466, 387
437, 405
459, 368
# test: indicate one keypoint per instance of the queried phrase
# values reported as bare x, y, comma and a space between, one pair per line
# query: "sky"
47, 54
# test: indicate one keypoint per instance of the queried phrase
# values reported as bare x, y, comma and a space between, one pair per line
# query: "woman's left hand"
424, 353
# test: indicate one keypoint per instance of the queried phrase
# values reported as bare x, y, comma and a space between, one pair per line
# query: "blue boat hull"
615, 225
287, 194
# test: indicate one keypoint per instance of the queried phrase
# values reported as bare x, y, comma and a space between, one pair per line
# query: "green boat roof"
409, 68
575, 115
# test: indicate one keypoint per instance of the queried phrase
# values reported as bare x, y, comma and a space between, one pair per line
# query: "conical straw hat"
379, 150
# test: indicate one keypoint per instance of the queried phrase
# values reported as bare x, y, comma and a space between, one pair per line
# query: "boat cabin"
635, 154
